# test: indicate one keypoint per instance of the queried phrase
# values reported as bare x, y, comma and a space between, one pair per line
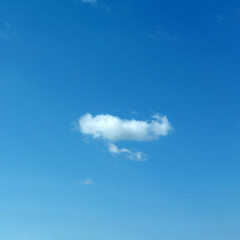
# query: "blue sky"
125, 61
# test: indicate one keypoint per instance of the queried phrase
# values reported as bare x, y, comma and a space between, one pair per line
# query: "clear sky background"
60, 59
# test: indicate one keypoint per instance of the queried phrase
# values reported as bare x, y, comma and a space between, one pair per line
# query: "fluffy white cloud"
135, 156
114, 129
85, 182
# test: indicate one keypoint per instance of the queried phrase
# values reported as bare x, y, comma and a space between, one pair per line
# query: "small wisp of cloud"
112, 129
7, 32
97, 4
86, 182
220, 18
163, 34
134, 156
93, 2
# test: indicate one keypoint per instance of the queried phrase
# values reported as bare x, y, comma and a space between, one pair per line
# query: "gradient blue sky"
60, 59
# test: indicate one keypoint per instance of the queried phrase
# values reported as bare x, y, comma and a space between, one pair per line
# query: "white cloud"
97, 4
135, 156
7, 32
85, 182
220, 18
163, 34
90, 1
113, 128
